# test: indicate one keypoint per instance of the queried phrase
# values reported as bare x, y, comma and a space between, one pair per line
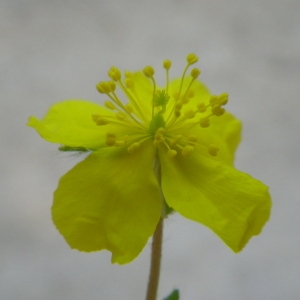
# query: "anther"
195, 73
114, 73
191, 93
189, 114
121, 116
167, 64
110, 139
223, 99
133, 147
111, 85
104, 87
217, 110
192, 58
214, 100
213, 150
172, 153
129, 83
128, 108
192, 139
109, 105
148, 71
201, 107
99, 120
204, 122
187, 150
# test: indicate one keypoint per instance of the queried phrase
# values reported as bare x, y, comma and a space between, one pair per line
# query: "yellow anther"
223, 98
178, 106
148, 71
110, 139
189, 114
185, 100
111, 85
191, 93
128, 108
167, 64
201, 107
176, 140
195, 73
204, 122
133, 147
161, 130
214, 100
176, 95
177, 113
114, 73
99, 120
213, 150
104, 87
217, 110
159, 135
171, 153
100, 88
109, 105
120, 143
128, 74
192, 139
187, 150
129, 83
192, 58
121, 116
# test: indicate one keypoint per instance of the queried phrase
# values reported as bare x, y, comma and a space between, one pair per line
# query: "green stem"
155, 262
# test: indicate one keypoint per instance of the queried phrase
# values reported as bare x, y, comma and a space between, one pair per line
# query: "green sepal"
168, 209
173, 296
74, 149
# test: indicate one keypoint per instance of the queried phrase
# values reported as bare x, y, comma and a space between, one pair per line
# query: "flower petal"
231, 203
109, 201
70, 123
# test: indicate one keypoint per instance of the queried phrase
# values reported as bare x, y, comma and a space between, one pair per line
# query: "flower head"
112, 200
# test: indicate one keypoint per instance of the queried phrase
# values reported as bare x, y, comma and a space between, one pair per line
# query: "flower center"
170, 118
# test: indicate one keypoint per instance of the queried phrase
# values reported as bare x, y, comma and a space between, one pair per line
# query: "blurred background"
59, 49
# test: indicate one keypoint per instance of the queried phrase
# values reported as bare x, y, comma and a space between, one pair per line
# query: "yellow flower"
112, 200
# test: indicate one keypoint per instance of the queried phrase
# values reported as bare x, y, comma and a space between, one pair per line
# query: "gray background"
55, 50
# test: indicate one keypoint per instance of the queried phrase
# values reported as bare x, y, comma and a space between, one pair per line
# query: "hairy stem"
155, 262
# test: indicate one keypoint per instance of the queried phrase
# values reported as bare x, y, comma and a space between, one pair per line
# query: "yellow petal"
109, 201
231, 203
70, 123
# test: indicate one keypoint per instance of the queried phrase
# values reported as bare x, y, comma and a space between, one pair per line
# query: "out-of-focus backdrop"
55, 50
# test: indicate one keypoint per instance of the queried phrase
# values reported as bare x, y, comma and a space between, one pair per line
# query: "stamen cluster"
170, 117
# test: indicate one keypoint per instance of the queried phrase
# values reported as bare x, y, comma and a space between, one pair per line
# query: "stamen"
133, 147
110, 105
167, 65
195, 73
213, 150
114, 73
110, 139
149, 72
172, 153
204, 122
99, 120
191, 58
187, 150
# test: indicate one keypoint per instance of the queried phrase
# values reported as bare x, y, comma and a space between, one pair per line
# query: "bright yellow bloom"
112, 200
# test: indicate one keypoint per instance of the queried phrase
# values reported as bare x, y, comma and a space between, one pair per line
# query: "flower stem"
155, 262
